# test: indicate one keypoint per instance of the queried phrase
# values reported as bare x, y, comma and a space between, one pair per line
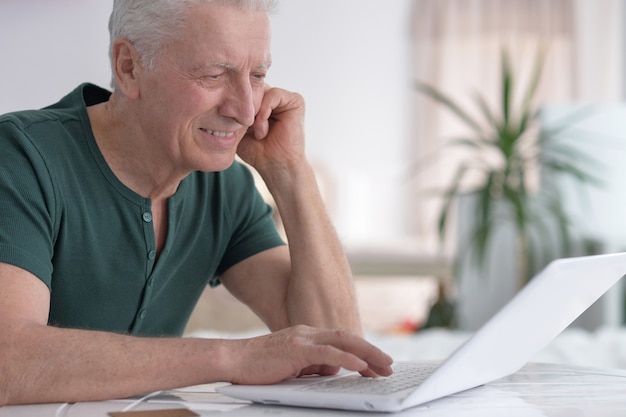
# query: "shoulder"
50, 130
71, 107
59, 119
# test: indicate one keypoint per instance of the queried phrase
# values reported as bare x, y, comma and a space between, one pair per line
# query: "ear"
126, 66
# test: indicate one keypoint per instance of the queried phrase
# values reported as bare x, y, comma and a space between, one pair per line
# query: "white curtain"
457, 48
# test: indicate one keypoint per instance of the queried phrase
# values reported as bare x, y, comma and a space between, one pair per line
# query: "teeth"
219, 134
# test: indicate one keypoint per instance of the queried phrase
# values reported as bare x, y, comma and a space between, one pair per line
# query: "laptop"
550, 302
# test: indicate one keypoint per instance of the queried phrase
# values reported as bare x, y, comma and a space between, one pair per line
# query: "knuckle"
301, 328
297, 336
342, 333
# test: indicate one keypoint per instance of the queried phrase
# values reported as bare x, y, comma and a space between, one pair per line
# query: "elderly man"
119, 208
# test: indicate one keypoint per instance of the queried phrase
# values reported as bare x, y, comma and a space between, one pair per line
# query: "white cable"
140, 400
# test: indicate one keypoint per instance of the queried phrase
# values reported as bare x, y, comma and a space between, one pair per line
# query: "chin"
217, 164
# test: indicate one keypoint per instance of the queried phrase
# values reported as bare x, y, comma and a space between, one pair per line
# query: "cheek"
182, 106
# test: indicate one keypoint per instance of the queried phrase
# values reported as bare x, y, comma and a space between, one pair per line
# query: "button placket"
150, 241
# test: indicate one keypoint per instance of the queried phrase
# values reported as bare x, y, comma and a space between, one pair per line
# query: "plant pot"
483, 290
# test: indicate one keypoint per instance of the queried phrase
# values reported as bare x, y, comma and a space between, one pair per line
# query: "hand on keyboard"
405, 376
303, 350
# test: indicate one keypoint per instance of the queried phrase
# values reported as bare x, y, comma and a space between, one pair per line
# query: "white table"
536, 390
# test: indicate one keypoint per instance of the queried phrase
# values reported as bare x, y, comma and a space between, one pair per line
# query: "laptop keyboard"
405, 376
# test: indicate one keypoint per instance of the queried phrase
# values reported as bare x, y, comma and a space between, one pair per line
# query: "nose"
238, 102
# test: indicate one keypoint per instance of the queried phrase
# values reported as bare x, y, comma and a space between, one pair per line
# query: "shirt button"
142, 314
147, 217
150, 282
151, 254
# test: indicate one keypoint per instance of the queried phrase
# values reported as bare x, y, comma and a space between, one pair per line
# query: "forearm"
40, 364
45, 364
321, 290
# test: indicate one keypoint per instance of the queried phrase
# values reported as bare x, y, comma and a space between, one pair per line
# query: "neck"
130, 152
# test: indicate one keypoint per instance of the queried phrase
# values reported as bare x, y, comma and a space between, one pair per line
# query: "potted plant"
512, 133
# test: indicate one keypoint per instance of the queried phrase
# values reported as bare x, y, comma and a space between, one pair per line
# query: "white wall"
349, 58
49, 47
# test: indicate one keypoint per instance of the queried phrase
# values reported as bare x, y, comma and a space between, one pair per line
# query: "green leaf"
482, 230
566, 123
447, 102
469, 142
569, 169
507, 82
486, 111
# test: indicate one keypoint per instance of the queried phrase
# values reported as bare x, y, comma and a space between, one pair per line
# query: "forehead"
216, 33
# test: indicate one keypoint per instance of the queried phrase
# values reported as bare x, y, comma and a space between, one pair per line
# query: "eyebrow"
263, 66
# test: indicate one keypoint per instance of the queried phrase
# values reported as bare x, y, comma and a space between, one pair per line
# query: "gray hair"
150, 24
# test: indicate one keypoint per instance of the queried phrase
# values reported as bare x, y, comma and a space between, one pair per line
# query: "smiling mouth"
218, 133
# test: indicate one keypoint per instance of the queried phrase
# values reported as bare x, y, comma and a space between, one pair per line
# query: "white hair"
150, 24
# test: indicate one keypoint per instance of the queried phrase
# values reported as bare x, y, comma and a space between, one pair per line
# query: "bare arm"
40, 363
319, 290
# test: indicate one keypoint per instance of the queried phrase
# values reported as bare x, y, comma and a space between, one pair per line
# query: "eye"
258, 77
213, 77
210, 79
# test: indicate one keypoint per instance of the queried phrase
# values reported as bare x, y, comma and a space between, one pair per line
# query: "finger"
368, 373
276, 102
261, 121
377, 360
332, 357
325, 370
375, 371
328, 370
322, 370
260, 128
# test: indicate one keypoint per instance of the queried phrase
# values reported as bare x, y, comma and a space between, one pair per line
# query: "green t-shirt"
65, 217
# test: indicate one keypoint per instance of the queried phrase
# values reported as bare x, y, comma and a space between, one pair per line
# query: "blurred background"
381, 145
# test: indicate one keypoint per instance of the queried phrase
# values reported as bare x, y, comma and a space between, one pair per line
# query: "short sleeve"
28, 204
252, 224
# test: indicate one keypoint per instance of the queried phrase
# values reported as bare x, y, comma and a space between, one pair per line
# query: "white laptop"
551, 301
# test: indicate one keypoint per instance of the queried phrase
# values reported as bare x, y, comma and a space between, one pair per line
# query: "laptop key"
405, 376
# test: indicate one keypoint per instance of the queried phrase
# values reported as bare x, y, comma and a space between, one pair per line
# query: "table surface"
536, 390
